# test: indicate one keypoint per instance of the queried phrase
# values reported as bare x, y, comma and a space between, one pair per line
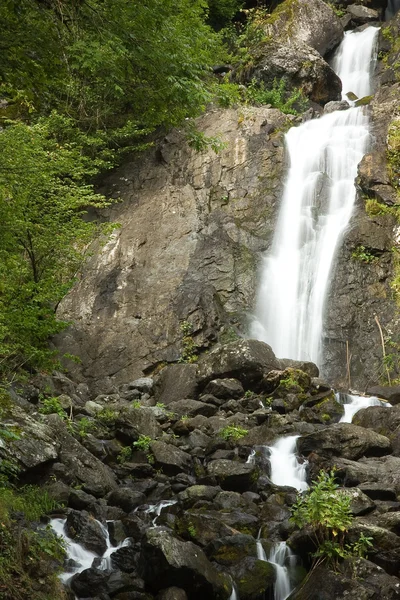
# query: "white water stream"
352, 404
285, 467
317, 205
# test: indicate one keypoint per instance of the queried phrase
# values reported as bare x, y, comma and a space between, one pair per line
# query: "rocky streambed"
166, 482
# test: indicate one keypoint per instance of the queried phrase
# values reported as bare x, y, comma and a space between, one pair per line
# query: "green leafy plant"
136, 404
364, 254
189, 353
233, 432
327, 515
107, 416
124, 454
143, 443
289, 103
52, 405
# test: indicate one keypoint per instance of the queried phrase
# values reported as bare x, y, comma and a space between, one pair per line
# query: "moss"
256, 581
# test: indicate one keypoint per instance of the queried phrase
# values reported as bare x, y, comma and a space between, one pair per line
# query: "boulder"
345, 440
202, 527
176, 382
379, 478
80, 466
126, 498
170, 459
312, 22
232, 475
391, 393
233, 549
246, 360
224, 388
166, 561
172, 593
360, 503
301, 365
254, 578
197, 492
86, 531
300, 66
334, 106
192, 408
133, 422
357, 579
362, 14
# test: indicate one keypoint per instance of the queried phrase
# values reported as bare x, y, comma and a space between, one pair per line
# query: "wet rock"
143, 384
202, 527
232, 550
224, 388
166, 561
307, 367
391, 393
176, 382
125, 559
89, 583
346, 440
254, 578
331, 107
246, 360
126, 498
170, 459
85, 530
383, 472
232, 475
80, 500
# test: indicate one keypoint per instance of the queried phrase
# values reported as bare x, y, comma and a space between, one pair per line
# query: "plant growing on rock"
328, 516
143, 443
233, 433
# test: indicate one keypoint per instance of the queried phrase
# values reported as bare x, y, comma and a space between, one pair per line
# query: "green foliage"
107, 416
221, 12
374, 208
393, 154
289, 103
124, 454
233, 433
189, 347
136, 404
143, 443
192, 530
326, 512
28, 553
364, 254
84, 426
52, 405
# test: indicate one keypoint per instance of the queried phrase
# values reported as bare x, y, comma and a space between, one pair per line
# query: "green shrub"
143, 443
51, 406
232, 432
328, 517
287, 102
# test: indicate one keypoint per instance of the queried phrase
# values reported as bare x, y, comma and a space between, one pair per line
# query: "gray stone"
311, 22
170, 459
176, 382
331, 107
192, 408
346, 440
362, 14
86, 531
166, 561
232, 475
246, 360
126, 498
224, 388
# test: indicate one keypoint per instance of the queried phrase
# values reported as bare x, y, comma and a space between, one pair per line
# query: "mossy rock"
364, 101
328, 411
233, 549
254, 579
293, 381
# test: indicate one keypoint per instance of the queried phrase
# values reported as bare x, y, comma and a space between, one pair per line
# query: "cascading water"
317, 205
352, 404
285, 467
282, 558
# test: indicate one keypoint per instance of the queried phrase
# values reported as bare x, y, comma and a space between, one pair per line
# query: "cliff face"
194, 225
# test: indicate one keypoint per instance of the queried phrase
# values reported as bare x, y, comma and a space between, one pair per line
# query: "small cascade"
80, 558
282, 558
251, 459
234, 594
392, 8
286, 469
157, 508
352, 404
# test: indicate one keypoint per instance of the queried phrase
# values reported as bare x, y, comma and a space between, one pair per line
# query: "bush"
327, 514
233, 432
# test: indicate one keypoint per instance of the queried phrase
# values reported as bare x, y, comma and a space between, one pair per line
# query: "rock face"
193, 227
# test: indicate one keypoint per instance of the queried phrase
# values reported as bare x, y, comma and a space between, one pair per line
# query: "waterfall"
317, 205
392, 8
281, 557
352, 404
285, 467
